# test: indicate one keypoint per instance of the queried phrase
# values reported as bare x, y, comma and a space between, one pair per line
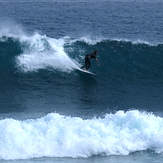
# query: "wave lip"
60, 136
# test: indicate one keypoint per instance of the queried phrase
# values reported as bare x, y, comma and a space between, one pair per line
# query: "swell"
119, 59
124, 60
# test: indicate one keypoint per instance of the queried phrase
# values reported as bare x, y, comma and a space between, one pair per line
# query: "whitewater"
39, 51
61, 136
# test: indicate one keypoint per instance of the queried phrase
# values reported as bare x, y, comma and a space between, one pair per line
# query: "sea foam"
42, 52
56, 135
38, 50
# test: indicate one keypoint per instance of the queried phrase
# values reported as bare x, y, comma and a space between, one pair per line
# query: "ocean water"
49, 112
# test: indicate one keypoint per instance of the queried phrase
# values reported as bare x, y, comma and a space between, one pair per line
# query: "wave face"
128, 69
121, 59
124, 59
61, 136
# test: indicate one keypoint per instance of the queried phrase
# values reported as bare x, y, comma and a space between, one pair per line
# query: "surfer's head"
95, 52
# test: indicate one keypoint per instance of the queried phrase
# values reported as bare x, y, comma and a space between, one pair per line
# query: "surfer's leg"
86, 61
83, 67
88, 65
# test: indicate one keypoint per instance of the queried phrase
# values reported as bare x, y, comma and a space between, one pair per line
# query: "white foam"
95, 40
91, 41
43, 52
60, 136
39, 51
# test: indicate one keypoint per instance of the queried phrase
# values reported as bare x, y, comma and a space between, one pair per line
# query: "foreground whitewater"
60, 136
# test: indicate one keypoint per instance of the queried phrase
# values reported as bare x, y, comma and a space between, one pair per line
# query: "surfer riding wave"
87, 60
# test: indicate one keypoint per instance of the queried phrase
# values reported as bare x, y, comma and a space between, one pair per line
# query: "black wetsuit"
87, 60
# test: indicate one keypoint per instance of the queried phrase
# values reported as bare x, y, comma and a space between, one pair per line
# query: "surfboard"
84, 71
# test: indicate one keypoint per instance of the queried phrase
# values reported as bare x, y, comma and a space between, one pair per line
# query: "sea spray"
44, 52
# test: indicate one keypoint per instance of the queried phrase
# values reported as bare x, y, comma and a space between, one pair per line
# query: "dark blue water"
52, 113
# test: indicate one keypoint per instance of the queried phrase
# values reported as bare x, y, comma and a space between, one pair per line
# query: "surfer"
87, 60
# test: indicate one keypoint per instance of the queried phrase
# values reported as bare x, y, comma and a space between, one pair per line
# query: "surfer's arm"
97, 61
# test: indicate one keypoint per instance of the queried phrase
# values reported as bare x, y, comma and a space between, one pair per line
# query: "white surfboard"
85, 71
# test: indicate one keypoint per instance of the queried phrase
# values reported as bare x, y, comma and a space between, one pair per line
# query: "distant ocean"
51, 113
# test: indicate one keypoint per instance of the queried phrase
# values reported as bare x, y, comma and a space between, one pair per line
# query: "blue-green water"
52, 113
